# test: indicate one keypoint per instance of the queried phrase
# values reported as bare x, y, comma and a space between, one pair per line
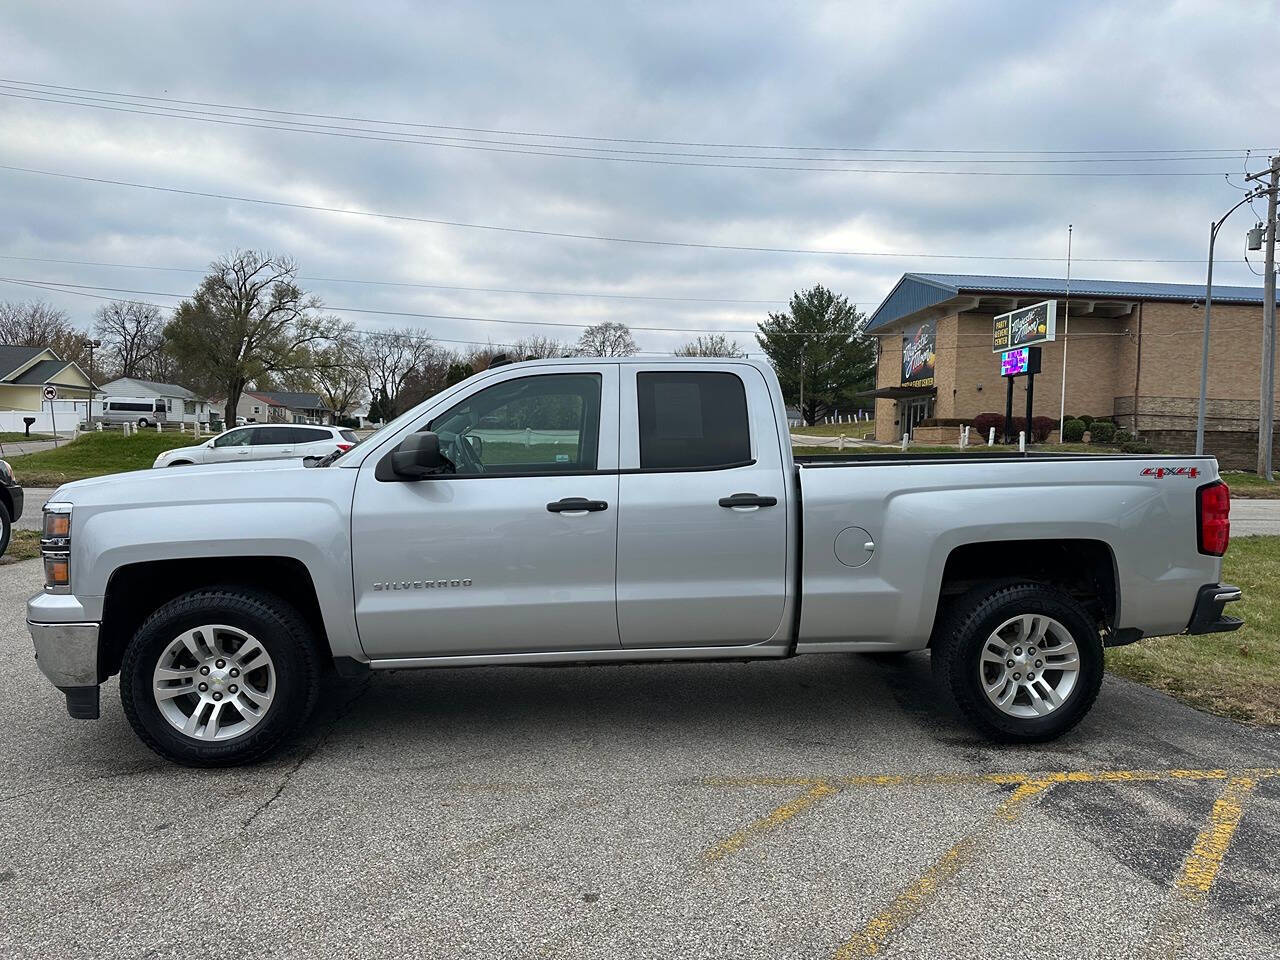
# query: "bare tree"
338, 377
247, 320
607, 339
711, 345
37, 324
131, 333
388, 359
540, 348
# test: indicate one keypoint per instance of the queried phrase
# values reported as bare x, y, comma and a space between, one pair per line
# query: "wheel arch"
135, 590
1083, 568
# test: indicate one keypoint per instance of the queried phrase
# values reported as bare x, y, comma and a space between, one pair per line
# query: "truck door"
702, 520
515, 552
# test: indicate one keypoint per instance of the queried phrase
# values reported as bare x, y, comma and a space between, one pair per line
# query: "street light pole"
1208, 306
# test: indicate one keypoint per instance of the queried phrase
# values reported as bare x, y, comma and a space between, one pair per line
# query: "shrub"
1073, 430
1041, 427
983, 423
1087, 421
1122, 437
1103, 431
1137, 446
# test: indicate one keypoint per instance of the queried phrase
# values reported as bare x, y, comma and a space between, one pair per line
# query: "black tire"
144, 422
958, 646
6, 529
272, 622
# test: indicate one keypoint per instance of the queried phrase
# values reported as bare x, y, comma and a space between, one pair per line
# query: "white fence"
65, 415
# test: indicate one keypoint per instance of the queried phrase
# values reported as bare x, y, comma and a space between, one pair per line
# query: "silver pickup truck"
596, 511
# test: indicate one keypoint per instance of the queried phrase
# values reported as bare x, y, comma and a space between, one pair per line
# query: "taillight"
1213, 507
344, 447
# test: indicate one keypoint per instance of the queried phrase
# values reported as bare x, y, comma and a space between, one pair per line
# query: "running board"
770, 650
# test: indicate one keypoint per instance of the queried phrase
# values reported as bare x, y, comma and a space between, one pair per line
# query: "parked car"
144, 411
262, 442
588, 511
11, 497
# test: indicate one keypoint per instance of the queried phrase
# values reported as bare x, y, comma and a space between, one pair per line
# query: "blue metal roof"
916, 291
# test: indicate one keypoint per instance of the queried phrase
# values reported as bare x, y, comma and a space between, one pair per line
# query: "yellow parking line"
774, 819
1002, 779
1205, 859
868, 941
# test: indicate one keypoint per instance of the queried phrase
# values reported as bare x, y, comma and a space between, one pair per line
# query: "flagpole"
1066, 321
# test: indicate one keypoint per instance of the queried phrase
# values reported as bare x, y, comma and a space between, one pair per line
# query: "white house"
181, 405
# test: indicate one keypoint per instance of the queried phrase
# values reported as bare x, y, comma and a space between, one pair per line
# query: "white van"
144, 411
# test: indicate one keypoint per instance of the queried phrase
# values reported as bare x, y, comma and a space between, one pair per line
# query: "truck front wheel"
219, 676
1023, 661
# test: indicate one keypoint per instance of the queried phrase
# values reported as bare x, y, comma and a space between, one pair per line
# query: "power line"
51, 288
599, 139
72, 287
605, 153
526, 231
590, 295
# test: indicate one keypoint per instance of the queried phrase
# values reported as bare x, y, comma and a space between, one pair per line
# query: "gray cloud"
926, 75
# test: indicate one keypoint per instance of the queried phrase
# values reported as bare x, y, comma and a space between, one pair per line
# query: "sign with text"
919, 346
1017, 363
1021, 328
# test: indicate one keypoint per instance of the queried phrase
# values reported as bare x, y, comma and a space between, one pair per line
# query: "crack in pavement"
321, 740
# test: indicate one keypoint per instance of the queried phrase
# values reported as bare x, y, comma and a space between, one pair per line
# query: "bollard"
991, 437
1022, 441
182, 427
840, 445
528, 436
99, 426
158, 428
905, 438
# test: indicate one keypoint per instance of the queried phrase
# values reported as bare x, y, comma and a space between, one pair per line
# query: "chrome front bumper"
67, 653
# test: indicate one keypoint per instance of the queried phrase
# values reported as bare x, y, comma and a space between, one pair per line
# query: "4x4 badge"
1160, 472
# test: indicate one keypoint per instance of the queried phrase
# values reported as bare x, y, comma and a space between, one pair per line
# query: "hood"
168, 484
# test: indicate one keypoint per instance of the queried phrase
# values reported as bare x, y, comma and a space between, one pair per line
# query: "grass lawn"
865, 428
7, 436
94, 455
1250, 485
1236, 674
23, 545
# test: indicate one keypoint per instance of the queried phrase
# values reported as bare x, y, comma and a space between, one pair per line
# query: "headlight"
55, 547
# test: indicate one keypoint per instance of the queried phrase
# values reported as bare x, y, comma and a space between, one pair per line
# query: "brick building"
1133, 354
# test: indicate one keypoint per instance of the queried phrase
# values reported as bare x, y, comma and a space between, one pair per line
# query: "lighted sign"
1016, 363
1021, 328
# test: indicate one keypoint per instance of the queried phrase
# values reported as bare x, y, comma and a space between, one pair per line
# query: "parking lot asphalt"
821, 807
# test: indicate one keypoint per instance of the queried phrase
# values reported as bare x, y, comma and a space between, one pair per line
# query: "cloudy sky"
941, 128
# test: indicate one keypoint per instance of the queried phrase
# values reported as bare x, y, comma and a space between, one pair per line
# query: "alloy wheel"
214, 682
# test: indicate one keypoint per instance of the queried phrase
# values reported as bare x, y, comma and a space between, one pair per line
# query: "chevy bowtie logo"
420, 584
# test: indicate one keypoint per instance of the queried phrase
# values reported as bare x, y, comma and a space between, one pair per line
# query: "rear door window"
310, 434
692, 420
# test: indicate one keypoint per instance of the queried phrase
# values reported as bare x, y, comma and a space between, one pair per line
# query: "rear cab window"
691, 420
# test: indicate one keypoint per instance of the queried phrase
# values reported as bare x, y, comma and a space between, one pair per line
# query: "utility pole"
1266, 392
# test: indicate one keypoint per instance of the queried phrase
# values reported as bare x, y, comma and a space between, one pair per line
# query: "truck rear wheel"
1023, 660
219, 677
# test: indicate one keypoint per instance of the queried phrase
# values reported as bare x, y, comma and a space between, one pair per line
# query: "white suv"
262, 441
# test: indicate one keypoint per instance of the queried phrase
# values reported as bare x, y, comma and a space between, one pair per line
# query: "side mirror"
419, 456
